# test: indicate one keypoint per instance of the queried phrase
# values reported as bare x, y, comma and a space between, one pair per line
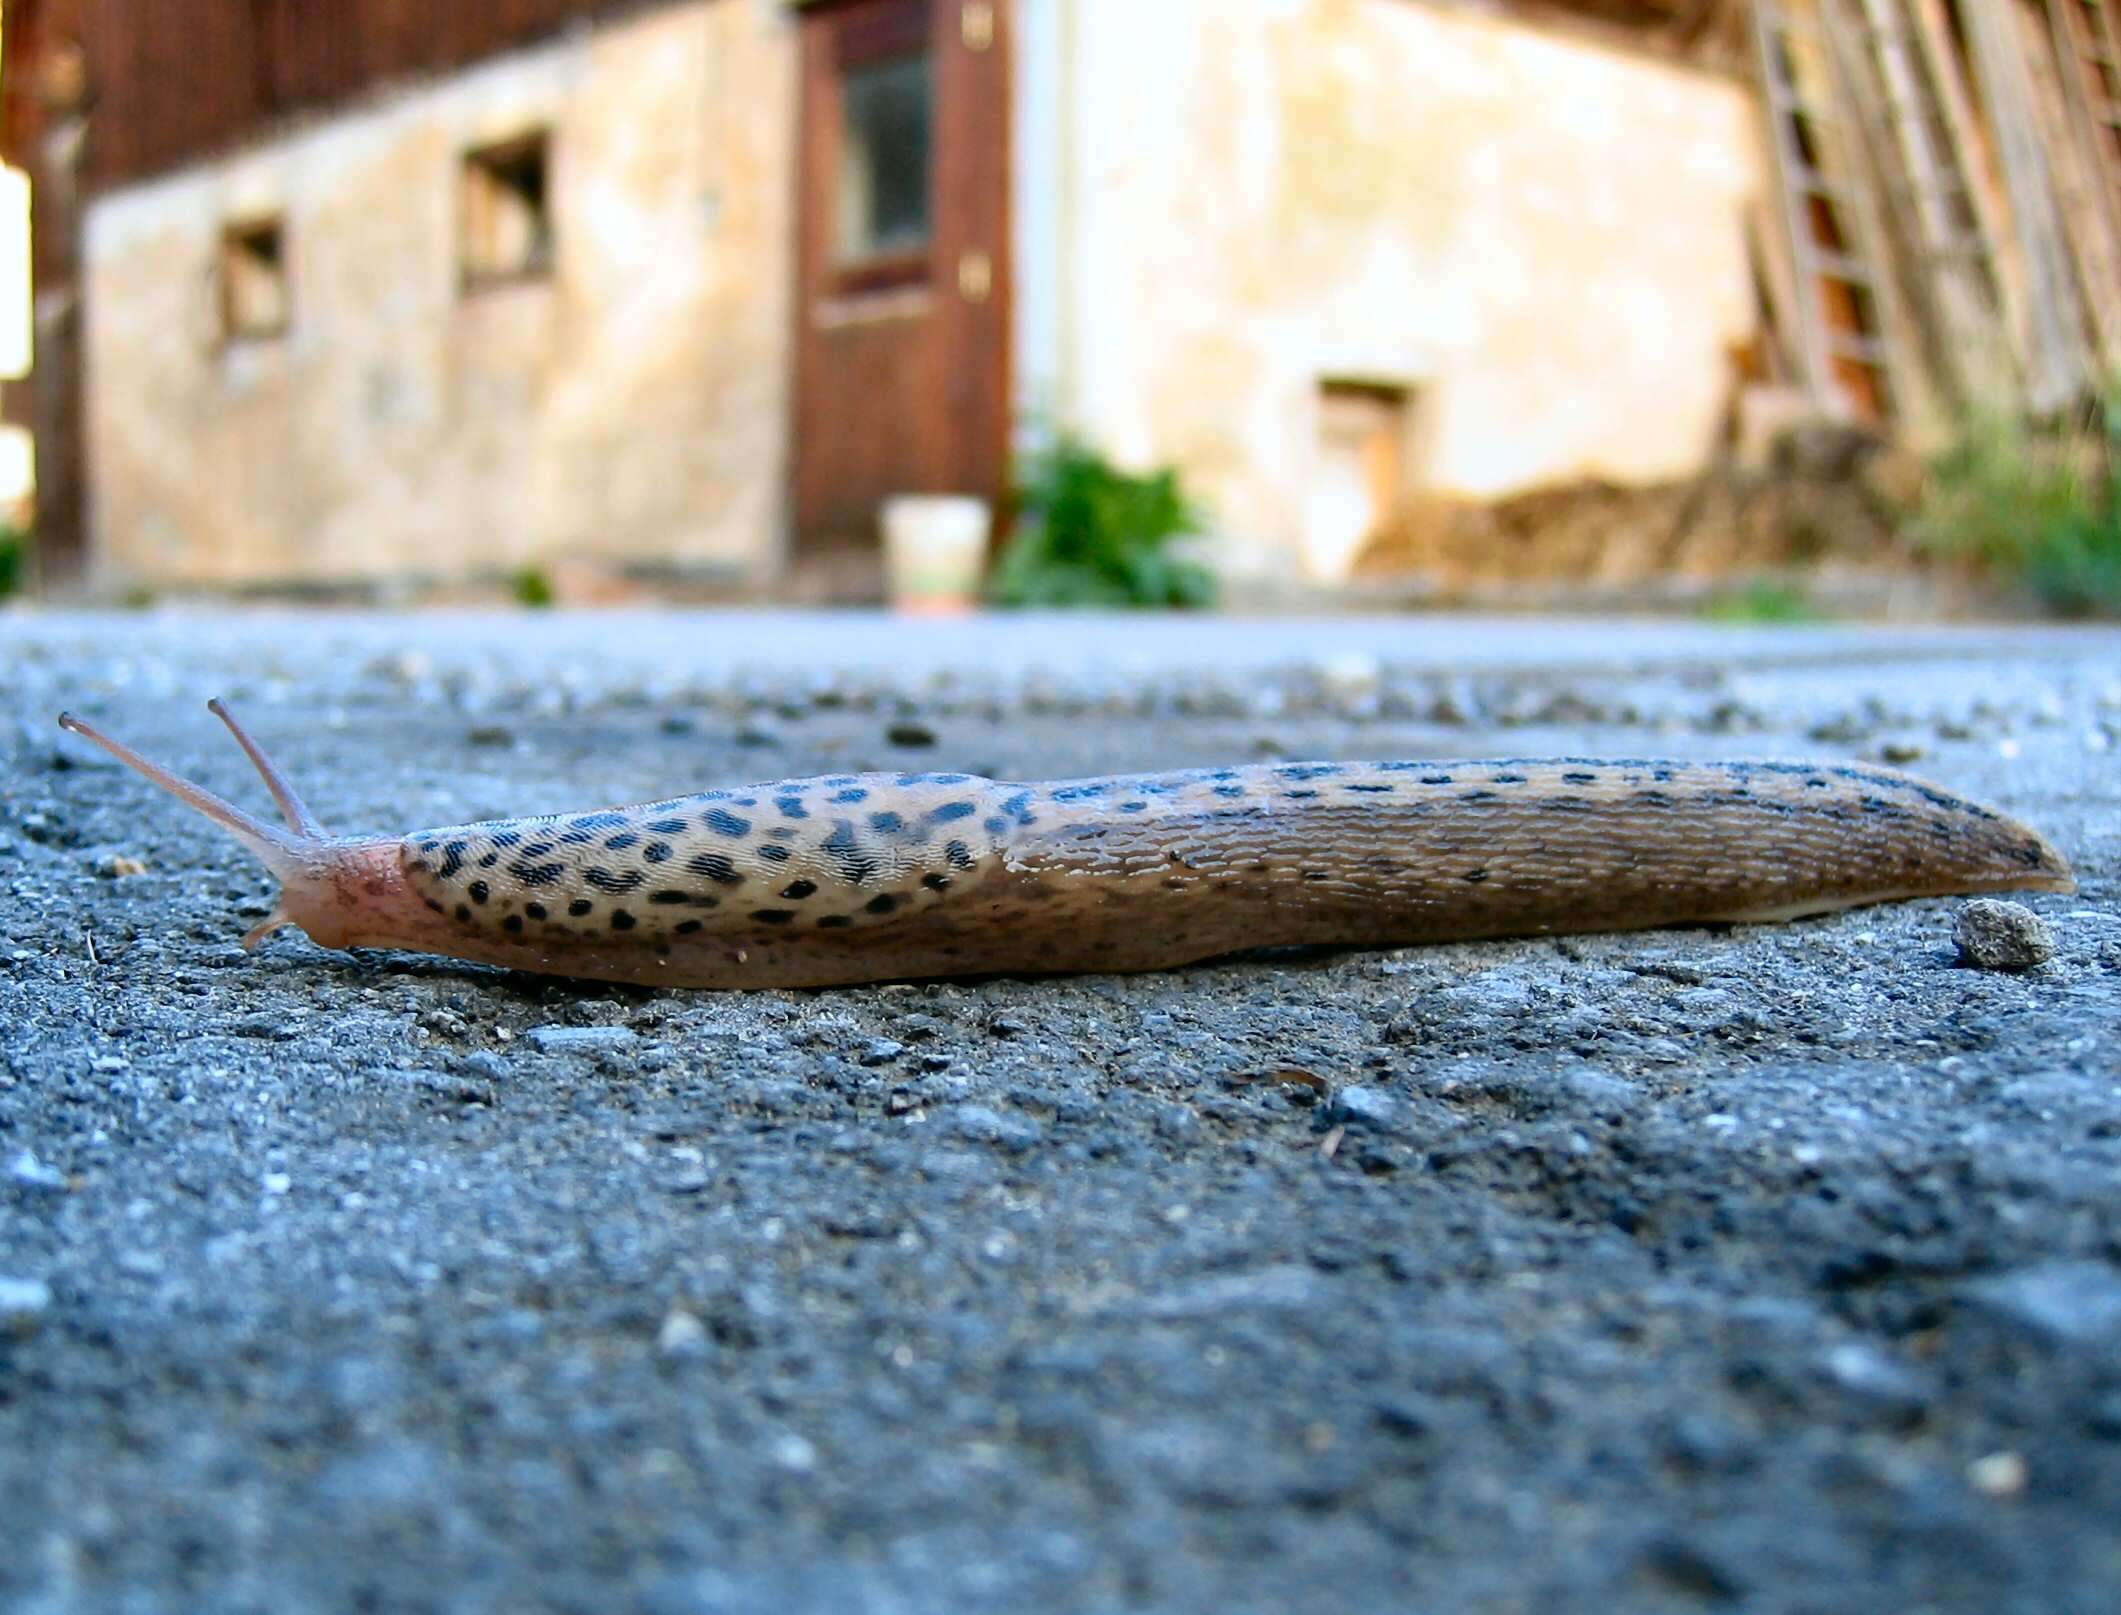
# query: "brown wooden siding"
179, 79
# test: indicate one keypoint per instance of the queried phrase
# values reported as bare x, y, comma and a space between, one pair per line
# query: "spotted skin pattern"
864, 877
844, 852
883, 877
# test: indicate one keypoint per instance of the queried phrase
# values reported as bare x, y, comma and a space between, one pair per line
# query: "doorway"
902, 297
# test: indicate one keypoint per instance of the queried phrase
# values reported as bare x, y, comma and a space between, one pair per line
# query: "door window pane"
884, 204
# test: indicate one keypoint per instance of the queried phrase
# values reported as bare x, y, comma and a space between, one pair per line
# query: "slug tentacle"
276, 849
877, 877
299, 818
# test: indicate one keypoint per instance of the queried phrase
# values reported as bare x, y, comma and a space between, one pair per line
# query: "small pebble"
119, 867
880, 1051
979, 1124
23, 1304
1995, 935
1365, 1108
1999, 1474
908, 733
579, 1039
27, 1172
682, 1335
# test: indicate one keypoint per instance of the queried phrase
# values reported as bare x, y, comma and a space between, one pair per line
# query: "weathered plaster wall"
632, 406
1540, 235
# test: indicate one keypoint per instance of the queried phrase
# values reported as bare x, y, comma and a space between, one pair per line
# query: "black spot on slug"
835, 922
1300, 796
950, 811
716, 867
687, 927
724, 823
665, 827
537, 874
774, 853
463, 913
791, 807
535, 910
621, 841
1436, 779
854, 866
882, 903
886, 823
580, 906
1506, 779
854, 793
1384, 790
959, 854
513, 923
479, 891
656, 852
669, 895
1474, 877
796, 890
621, 920
1231, 792
773, 916
597, 821
935, 882
452, 860
1134, 807
605, 881
1579, 777
489, 860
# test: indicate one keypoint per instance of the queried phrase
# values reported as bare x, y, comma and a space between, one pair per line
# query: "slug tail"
284, 854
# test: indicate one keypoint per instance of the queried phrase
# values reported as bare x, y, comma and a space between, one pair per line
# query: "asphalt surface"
1767, 1268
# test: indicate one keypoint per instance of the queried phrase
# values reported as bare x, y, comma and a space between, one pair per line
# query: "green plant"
2036, 505
14, 558
532, 587
1090, 534
1762, 600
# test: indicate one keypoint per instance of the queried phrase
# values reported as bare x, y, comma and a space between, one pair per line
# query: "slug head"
339, 891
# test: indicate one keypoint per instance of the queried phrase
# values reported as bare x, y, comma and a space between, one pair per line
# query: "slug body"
872, 877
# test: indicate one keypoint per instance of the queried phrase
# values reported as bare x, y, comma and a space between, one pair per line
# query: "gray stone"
23, 1304
2074, 1303
1370, 1108
25, 1171
981, 1124
580, 1039
1995, 935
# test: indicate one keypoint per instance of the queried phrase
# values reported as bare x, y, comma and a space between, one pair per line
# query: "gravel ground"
1771, 1268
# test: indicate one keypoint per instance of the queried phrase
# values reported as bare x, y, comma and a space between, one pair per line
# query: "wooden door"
902, 297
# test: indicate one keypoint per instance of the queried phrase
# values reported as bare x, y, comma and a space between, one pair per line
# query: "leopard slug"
878, 877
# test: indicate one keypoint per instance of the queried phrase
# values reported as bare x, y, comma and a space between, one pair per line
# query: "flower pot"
935, 551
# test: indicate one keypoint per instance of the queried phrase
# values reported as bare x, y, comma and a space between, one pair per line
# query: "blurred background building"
682, 289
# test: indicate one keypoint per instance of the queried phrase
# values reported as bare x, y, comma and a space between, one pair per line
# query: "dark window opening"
254, 300
506, 211
885, 202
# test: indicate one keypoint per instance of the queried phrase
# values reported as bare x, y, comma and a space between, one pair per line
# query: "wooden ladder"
1847, 360
1904, 87
2087, 43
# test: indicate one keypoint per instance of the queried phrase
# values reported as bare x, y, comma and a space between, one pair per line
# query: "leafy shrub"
1090, 534
532, 587
2036, 506
1762, 600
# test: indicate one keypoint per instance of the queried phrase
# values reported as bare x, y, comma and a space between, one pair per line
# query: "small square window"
254, 303
506, 211
884, 195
